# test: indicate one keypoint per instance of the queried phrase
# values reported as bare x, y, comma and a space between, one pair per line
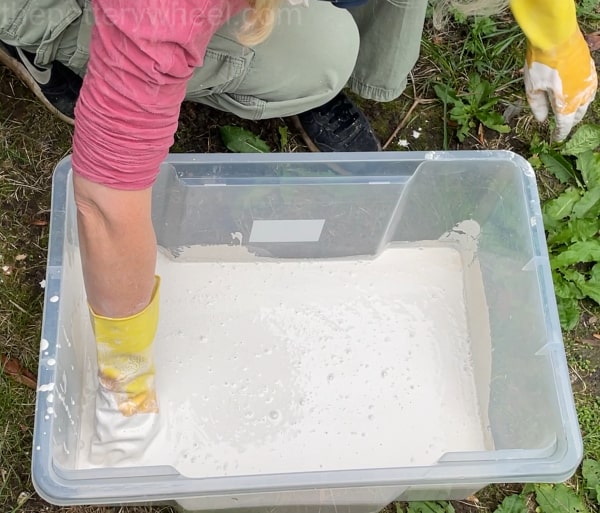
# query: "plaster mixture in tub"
297, 366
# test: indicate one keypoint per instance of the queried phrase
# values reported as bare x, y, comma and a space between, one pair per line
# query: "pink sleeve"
141, 56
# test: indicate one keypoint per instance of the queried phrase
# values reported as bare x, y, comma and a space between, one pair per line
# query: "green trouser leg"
390, 39
312, 54
305, 62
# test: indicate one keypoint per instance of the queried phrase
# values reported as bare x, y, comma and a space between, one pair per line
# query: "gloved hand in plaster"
126, 402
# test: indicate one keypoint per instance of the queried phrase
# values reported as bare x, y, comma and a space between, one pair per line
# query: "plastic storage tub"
294, 206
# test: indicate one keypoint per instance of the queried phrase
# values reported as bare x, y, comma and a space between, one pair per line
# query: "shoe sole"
23, 75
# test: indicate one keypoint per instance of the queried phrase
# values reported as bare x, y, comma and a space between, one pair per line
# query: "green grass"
588, 410
16, 405
25, 163
491, 47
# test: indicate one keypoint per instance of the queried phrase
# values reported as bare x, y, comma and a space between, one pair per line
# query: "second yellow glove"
125, 362
559, 69
564, 77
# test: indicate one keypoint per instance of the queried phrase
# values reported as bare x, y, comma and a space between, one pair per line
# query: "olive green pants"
311, 55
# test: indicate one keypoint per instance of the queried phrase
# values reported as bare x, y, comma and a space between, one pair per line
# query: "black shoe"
55, 85
337, 126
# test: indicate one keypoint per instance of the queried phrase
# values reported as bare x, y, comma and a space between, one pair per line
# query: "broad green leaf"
588, 205
501, 129
459, 113
584, 229
574, 280
578, 286
430, 507
578, 252
535, 161
479, 92
566, 287
489, 104
462, 132
558, 499
512, 504
560, 234
561, 287
446, 94
477, 88
568, 312
552, 225
494, 121
586, 137
591, 477
562, 206
574, 230
240, 140
528, 488
559, 166
591, 288
589, 165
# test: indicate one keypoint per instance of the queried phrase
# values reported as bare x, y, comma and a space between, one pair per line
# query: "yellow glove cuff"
125, 362
129, 334
546, 23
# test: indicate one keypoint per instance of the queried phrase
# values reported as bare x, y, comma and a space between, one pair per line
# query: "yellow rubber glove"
559, 67
125, 362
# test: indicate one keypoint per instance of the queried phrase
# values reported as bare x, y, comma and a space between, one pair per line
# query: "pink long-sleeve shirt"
142, 53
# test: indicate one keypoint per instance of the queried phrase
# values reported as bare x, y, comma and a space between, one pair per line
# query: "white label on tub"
287, 230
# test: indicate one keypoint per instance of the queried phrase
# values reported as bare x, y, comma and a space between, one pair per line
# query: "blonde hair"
259, 21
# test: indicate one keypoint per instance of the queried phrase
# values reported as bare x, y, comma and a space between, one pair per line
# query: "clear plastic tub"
324, 206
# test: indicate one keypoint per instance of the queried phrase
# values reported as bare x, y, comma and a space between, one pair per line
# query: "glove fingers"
539, 104
564, 123
580, 113
119, 438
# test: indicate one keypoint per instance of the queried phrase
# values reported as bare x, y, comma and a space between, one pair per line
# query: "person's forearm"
118, 247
